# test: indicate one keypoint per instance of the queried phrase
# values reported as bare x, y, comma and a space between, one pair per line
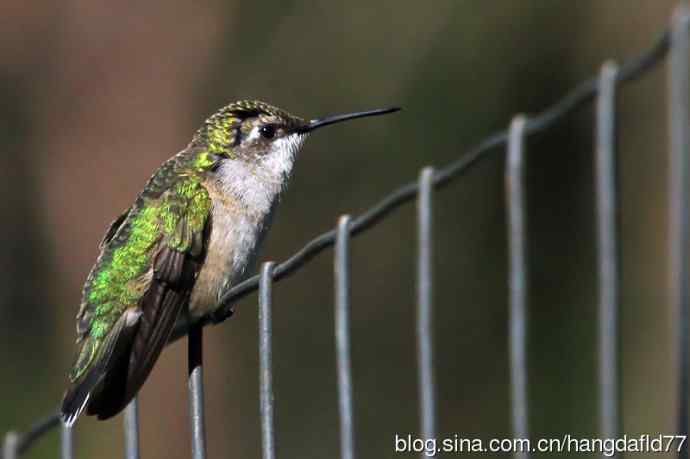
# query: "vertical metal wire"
517, 238
342, 337
196, 391
425, 354
266, 362
66, 442
680, 187
608, 251
132, 429
10, 445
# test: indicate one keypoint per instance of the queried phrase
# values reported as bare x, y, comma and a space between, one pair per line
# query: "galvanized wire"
341, 267
41, 427
608, 256
9, 446
425, 334
131, 424
518, 270
196, 391
66, 442
266, 362
679, 100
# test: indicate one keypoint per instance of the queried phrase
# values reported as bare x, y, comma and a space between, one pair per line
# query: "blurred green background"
95, 95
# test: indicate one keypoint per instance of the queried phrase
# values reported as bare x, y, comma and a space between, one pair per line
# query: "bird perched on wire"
189, 236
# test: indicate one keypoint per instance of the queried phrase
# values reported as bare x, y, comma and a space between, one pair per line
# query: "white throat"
257, 184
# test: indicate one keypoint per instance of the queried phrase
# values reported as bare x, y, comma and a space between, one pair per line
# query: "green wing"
148, 265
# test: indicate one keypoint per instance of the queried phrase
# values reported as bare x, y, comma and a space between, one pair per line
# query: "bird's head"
254, 131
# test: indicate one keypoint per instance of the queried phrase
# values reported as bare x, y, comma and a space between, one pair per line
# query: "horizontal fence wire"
569, 104
608, 252
517, 253
342, 337
679, 98
22, 442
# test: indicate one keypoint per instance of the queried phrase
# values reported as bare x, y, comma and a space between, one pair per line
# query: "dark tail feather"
77, 397
133, 347
109, 398
86, 392
161, 307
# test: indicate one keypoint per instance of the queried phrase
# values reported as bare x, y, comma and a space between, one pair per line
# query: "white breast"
243, 197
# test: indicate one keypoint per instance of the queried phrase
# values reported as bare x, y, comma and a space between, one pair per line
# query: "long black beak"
321, 122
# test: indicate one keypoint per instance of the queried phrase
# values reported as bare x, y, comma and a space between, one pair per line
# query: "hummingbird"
190, 235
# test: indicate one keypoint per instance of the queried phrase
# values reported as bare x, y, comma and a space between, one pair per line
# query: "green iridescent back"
172, 210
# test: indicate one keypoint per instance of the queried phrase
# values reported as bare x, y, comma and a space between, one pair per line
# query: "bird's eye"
267, 131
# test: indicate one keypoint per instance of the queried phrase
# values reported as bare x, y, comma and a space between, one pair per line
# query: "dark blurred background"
95, 95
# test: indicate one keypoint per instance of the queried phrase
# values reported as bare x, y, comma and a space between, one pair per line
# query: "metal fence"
603, 88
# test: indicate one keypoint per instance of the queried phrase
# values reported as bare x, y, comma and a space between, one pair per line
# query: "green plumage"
119, 280
149, 258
